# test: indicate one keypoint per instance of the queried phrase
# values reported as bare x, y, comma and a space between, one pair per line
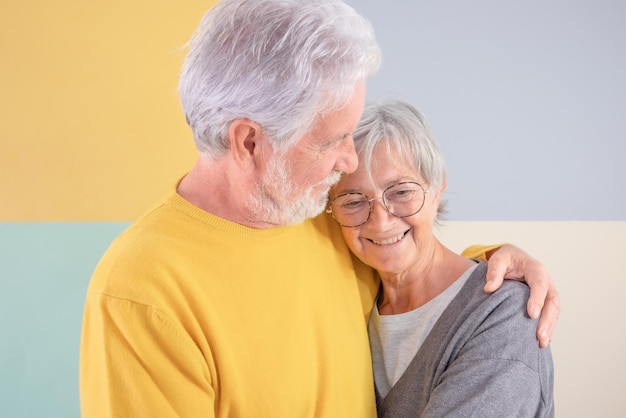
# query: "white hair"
279, 63
399, 126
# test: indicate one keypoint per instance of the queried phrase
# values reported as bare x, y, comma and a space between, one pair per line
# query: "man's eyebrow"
337, 139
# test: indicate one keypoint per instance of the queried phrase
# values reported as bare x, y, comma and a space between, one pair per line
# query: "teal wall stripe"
44, 271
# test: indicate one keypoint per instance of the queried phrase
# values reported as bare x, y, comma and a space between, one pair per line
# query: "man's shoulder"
134, 253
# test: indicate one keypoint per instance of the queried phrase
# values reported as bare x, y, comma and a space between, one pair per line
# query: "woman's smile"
390, 240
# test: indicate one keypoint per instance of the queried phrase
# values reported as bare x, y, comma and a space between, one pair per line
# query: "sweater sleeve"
497, 369
135, 362
479, 251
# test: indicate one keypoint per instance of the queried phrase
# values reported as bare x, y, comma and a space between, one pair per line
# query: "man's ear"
245, 140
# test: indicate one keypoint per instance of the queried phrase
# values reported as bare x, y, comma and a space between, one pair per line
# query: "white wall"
589, 345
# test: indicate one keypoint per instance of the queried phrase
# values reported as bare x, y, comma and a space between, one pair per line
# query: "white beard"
273, 201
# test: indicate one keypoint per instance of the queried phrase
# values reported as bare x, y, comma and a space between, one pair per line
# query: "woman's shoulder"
512, 295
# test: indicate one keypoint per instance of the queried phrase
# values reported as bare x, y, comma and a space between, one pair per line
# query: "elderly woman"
441, 346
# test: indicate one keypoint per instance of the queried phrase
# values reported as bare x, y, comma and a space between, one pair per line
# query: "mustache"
332, 179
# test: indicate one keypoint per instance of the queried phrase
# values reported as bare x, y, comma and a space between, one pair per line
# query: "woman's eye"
352, 204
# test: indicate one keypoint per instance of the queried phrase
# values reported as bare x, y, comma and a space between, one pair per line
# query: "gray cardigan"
481, 359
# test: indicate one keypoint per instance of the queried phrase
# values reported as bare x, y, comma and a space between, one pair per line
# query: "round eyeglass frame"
329, 209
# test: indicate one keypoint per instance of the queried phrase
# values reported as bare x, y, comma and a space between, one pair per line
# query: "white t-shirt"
395, 339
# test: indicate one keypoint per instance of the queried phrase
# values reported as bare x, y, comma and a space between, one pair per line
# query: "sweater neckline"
180, 204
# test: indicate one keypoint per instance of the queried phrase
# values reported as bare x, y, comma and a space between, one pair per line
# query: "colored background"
91, 124
526, 99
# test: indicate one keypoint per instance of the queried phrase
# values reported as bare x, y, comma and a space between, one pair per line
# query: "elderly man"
230, 298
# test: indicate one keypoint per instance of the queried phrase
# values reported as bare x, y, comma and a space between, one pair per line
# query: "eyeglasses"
401, 200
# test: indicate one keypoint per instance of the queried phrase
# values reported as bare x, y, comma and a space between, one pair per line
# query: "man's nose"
347, 161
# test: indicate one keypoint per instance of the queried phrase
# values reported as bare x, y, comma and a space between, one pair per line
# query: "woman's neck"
414, 288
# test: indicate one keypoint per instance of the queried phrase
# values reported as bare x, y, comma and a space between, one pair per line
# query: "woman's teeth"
389, 240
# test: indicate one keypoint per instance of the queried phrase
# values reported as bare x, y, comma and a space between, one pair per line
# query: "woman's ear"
245, 140
439, 193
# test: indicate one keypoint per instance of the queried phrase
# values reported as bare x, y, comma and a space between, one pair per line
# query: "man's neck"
215, 187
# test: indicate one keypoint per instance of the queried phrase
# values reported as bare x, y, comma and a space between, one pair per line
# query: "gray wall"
526, 98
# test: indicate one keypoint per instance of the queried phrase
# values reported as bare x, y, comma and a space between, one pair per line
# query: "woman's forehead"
385, 157
382, 173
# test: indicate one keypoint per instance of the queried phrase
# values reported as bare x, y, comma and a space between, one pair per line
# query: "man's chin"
306, 210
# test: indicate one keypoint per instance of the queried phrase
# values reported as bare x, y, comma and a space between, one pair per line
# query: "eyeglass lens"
401, 200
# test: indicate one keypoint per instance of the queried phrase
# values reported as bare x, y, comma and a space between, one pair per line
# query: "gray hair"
279, 63
401, 127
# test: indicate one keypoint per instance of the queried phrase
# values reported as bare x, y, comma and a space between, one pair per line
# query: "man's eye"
335, 142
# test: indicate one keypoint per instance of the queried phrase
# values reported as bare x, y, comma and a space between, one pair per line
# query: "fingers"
539, 288
498, 266
549, 317
495, 277
544, 302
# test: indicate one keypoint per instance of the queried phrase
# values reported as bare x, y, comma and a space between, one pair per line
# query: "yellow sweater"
189, 315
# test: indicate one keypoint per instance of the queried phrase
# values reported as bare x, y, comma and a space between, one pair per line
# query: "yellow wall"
90, 125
